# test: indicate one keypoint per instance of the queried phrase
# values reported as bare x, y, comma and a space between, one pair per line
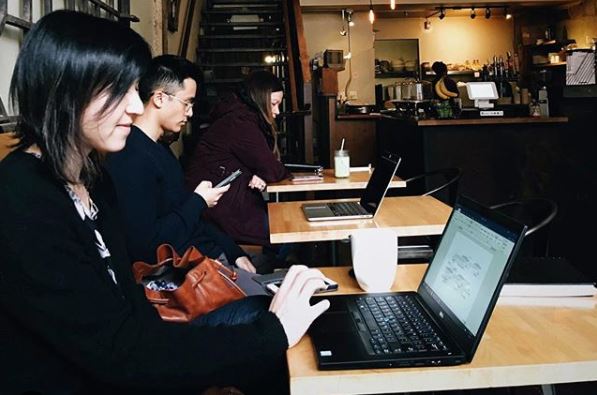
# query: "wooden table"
408, 216
523, 345
356, 180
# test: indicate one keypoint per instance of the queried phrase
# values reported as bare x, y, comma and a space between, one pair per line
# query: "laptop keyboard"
394, 324
346, 209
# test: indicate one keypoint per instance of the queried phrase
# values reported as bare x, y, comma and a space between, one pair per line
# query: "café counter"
501, 157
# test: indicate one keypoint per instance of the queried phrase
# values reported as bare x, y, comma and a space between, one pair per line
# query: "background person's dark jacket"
66, 328
156, 206
237, 139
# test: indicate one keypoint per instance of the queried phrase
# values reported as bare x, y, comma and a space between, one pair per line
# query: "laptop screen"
468, 265
379, 182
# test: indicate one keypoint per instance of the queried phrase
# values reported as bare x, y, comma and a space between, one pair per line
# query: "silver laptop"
370, 201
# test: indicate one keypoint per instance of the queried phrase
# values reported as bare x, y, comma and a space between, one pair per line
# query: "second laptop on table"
370, 200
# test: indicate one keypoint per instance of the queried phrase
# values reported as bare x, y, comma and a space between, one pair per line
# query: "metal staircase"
240, 36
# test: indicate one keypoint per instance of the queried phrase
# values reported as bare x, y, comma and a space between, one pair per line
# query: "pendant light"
371, 13
393, 4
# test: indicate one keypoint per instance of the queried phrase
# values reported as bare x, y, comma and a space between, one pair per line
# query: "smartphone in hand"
229, 179
271, 282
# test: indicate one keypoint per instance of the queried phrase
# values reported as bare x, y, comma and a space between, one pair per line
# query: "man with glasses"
149, 181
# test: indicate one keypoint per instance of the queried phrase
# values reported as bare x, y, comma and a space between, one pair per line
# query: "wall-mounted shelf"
397, 74
455, 72
542, 65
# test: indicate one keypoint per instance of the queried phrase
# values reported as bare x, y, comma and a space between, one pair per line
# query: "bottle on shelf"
543, 101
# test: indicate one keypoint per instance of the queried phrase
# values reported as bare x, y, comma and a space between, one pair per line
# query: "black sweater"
156, 206
66, 328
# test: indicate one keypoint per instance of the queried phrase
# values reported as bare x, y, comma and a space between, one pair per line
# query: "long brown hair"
259, 86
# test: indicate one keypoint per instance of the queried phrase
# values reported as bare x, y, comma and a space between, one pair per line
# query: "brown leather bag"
183, 288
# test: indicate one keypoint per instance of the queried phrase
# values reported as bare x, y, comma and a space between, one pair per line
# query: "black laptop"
370, 201
443, 321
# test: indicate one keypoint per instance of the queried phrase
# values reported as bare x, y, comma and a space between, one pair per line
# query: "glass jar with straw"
341, 162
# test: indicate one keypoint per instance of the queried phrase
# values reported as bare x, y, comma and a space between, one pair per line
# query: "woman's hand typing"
291, 302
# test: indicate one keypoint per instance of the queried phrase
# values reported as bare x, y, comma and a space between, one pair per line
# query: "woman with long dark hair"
72, 319
243, 136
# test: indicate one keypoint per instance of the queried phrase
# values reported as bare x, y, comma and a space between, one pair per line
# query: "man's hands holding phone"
209, 194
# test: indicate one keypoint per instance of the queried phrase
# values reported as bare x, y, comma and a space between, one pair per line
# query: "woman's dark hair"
256, 91
66, 60
167, 73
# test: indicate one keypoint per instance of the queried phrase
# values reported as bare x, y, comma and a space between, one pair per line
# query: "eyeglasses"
188, 104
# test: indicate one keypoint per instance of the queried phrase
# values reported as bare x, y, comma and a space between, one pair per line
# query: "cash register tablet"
482, 92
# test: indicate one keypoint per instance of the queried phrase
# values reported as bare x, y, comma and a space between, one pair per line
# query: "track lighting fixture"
427, 24
371, 13
442, 13
507, 13
487, 13
473, 15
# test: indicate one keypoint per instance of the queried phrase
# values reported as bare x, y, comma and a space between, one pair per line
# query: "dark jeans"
270, 377
240, 312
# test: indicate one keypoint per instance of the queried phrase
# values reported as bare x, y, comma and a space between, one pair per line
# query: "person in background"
441, 73
242, 136
149, 181
73, 320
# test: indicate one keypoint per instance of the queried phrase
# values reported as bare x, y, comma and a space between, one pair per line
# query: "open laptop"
370, 201
443, 321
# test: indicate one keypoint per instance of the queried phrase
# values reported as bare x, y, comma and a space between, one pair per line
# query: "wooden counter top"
487, 121
352, 117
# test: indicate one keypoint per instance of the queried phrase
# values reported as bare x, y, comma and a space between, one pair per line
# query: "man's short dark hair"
166, 73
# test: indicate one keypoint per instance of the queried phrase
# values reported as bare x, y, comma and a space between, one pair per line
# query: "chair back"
441, 183
537, 214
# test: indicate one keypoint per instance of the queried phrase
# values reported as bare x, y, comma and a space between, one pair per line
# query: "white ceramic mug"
374, 258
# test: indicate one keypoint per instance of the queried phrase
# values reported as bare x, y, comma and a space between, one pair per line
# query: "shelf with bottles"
550, 44
456, 72
397, 74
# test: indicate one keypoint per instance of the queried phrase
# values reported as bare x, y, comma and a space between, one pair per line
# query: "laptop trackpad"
334, 322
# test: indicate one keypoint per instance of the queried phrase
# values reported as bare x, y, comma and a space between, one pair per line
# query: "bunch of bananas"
442, 91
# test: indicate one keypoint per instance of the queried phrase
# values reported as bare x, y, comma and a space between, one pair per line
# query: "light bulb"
393, 4
508, 15
371, 16
427, 24
473, 15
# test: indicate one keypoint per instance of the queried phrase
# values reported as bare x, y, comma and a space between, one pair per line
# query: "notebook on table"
370, 201
443, 321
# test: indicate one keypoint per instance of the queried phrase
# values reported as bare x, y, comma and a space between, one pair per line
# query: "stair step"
234, 36
232, 24
241, 50
241, 64
219, 81
241, 11
223, 81
244, 2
